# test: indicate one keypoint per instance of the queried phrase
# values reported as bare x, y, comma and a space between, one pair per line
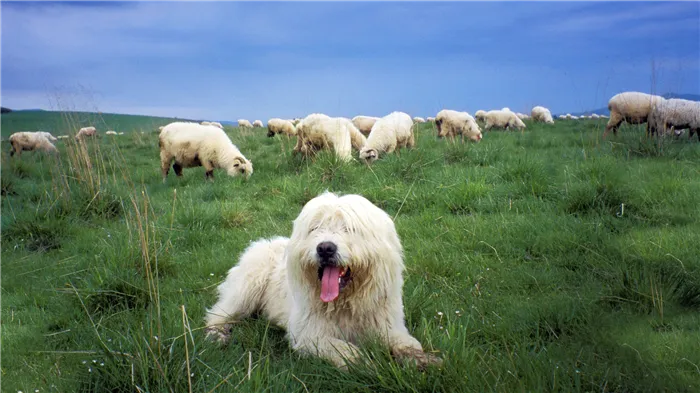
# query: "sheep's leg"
411, 141
178, 169
12, 149
209, 174
165, 160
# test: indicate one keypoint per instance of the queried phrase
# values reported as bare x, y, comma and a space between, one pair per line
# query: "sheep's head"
240, 166
369, 155
270, 133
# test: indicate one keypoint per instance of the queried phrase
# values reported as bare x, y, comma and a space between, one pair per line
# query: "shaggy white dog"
336, 280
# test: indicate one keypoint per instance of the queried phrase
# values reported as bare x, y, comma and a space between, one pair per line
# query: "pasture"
542, 261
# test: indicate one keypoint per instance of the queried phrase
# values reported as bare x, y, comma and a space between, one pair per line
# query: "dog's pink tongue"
330, 285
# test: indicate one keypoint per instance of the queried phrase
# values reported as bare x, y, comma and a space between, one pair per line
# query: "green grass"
523, 270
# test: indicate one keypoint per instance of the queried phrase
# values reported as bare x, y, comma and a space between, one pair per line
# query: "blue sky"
225, 60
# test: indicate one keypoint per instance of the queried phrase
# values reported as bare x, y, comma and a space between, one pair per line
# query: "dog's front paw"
428, 359
421, 359
219, 333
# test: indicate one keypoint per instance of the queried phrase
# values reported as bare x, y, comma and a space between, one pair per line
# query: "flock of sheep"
188, 144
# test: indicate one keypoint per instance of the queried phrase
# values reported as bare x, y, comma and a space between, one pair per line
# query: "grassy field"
543, 261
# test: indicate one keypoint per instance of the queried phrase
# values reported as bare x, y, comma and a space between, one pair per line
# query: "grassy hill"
59, 123
542, 261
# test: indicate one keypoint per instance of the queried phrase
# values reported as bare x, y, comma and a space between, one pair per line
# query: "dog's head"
341, 244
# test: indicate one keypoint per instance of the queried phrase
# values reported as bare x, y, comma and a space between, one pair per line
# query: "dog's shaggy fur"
336, 280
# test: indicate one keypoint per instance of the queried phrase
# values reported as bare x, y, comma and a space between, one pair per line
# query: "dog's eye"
312, 229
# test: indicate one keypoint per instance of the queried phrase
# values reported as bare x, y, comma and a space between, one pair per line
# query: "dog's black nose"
326, 249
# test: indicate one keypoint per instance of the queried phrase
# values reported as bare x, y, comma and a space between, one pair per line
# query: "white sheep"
632, 107
503, 119
389, 133
258, 123
192, 145
506, 109
280, 126
480, 115
676, 114
574, 117
561, 117
364, 123
451, 123
418, 120
318, 132
110, 132
121, 133
243, 123
595, 116
84, 132
48, 135
28, 141
212, 123
430, 118
542, 114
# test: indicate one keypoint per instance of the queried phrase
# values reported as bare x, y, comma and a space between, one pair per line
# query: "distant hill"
605, 111
691, 97
60, 123
5, 110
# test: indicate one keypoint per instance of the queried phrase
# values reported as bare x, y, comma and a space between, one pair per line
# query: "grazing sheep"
258, 123
480, 115
632, 107
110, 132
389, 133
542, 114
676, 114
121, 133
595, 116
503, 119
212, 123
318, 131
280, 126
561, 117
452, 123
48, 135
574, 117
243, 123
364, 123
418, 120
192, 145
85, 131
429, 118
296, 121
27, 140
